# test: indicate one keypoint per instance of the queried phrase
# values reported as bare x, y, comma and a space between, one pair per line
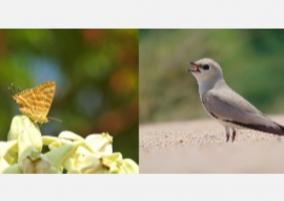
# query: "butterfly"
35, 102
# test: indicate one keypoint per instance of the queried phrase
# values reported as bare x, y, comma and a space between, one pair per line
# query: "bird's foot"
227, 137
234, 135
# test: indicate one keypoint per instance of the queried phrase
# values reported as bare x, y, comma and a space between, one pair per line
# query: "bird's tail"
277, 129
281, 129
274, 128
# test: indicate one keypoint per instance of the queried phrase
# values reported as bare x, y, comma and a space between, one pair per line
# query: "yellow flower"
8, 154
30, 142
28, 136
87, 157
68, 152
94, 155
117, 164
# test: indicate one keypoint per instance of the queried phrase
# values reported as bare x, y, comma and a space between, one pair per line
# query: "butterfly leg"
227, 129
234, 134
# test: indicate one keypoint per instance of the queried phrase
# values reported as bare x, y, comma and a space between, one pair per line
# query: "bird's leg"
234, 134
227, 129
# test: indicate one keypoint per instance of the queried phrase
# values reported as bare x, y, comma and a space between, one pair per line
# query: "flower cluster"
27, 151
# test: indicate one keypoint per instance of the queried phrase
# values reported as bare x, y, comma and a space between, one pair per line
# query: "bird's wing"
229, 106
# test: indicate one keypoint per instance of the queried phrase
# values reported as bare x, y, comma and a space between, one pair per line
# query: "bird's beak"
195, 68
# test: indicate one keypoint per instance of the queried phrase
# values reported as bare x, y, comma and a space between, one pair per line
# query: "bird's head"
205, 70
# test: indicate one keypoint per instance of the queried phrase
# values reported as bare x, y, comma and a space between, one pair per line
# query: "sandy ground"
199, 147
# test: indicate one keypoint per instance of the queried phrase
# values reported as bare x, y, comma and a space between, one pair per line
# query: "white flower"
68, 152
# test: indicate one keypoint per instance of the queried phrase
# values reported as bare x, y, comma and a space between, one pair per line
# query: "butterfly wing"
44, 95
36, 102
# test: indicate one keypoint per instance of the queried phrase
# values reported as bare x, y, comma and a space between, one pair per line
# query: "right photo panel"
211, 101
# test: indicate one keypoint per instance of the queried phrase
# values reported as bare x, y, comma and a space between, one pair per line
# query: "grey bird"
227, 106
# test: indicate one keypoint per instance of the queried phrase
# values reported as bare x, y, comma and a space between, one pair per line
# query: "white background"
142, 14
142, 187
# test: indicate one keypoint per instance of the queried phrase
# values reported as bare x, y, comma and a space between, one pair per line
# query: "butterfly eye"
205, 67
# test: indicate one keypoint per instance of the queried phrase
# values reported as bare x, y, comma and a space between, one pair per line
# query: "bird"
227, 106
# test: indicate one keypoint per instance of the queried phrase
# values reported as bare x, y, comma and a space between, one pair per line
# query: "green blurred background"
252, 61
96, 72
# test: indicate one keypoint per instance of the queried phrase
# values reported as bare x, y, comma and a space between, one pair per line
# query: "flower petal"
28, 136
100, 143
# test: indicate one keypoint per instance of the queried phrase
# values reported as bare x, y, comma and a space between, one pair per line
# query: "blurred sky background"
252, 62
96, 72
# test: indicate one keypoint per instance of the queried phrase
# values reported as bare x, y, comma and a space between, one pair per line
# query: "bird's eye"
205, 67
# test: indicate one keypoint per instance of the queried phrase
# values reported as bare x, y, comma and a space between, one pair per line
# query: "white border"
142, 187
142, 14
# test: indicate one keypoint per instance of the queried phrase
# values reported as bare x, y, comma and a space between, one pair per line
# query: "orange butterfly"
35, 103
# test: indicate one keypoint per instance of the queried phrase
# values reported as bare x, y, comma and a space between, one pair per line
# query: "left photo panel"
69, 101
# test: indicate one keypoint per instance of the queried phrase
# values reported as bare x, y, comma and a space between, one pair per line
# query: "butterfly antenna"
55, 119
13, 89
